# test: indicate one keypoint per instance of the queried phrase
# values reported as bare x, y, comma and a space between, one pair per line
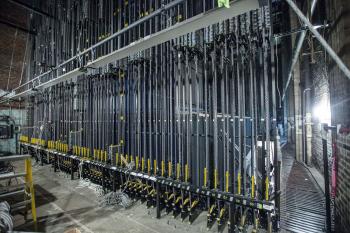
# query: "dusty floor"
61, 205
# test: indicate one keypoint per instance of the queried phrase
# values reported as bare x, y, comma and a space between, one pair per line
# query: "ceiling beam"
28, 7
12, 25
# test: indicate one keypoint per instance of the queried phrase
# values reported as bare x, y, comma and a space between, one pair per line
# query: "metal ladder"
27, 189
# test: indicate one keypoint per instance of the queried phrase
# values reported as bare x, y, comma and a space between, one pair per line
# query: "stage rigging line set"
187, 125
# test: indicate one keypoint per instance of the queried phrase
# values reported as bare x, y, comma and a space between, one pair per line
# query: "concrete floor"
61, 205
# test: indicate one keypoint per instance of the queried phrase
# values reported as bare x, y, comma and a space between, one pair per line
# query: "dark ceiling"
14, 28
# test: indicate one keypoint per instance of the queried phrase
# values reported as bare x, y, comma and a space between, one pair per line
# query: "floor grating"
304, 204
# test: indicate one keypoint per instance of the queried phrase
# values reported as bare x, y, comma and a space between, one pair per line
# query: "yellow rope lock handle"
116, 158
222, 212
215, 179
194, 204
205, 177
186, 173
171, 196
187, 200
178, 171
177, 199
212, 209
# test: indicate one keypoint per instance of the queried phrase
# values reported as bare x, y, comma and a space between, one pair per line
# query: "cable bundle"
6, 223
115, 198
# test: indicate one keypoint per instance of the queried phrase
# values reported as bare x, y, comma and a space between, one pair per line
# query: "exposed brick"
330, 83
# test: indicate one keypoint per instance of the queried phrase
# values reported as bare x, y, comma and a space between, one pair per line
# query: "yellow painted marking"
253, 187
267, 188
239, 183
186, 173
169, 169
227, 179
155, 167
137, 162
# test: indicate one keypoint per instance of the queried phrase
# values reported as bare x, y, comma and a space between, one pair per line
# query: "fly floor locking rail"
186, 125
171, 195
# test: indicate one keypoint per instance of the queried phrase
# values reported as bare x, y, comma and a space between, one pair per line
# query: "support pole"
319, 37
297, 51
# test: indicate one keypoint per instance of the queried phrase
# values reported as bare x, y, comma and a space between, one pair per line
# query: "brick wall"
321, 107
12, 44
342, 201
331, 90
12, 49
338, 11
